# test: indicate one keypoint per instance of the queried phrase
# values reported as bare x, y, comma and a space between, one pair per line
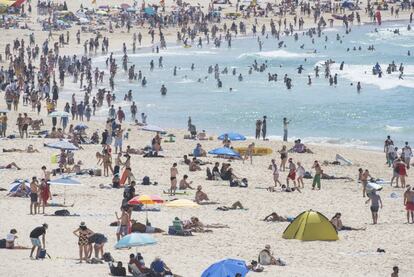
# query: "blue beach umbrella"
62, 144
134, 240
224, 151
232, 136
226, 268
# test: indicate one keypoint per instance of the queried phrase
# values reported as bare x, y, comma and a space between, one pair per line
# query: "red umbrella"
146, 200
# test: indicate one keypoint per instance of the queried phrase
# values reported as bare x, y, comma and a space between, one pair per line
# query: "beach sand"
354, 254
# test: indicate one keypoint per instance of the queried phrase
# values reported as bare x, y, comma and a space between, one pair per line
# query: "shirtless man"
46, 174
184, 184
364, 180
409, 203
34, 188
249, 153
318, 175
173, 178
123, 223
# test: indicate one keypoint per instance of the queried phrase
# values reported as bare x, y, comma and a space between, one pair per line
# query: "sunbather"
236, 205
266, 257
142, 228
10, 166
29, 149
273, 217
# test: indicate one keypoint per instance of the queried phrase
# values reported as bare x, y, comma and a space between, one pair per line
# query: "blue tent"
224, 151
226, 268
232, 136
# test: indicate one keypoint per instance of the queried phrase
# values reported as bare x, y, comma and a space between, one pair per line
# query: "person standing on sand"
264, 127
318, 174
408, 153
285, 128
292, 173
249, 153
364, 180
387, 144
275, 172
173, 178
34, 189
409, 203
376, 203
258, 128
83, 233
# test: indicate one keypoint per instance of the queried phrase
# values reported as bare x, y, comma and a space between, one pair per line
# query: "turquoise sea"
319, 112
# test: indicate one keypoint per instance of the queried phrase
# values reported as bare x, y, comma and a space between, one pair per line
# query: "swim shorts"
292, 175
374, 209
33, 197
36, 242
409, 206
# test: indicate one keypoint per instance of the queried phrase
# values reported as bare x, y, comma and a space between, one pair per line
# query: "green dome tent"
311, 225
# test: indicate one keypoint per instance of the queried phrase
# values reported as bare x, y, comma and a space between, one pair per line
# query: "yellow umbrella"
182, 203
146, 200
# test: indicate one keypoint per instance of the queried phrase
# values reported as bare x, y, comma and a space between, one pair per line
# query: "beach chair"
135, 271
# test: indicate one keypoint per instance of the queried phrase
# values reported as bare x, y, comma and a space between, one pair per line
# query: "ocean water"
319, 113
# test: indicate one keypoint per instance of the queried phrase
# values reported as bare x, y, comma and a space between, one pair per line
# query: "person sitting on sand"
202, 135
255, 267
29, 149
395, 271
274, 217
184, 184
10, 238
22, 191
236, 205
136, 268
10, 166
299, 147
187, 161
130, 150
266, 257
193, 166
200, 195
160, 268
199, 151
337, 223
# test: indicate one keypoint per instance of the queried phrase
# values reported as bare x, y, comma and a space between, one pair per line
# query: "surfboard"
342, 160
258, 151
123, 179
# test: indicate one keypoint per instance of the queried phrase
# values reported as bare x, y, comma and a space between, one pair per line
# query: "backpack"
43, 254
2, 243
146, 181
62, 213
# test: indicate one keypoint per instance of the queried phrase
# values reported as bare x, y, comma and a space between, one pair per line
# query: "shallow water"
318, 113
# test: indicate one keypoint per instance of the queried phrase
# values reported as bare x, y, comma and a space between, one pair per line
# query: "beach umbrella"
81, 126
134, 240
146, 200
58, 114
4, 111
226, 268
149, 11
182, 203
224, 151
232, 136
65, 181
153, 128
62, 144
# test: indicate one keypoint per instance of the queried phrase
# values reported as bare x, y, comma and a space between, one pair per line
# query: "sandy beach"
354, 254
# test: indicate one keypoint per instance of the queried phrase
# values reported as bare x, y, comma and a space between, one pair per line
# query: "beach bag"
2, 243
43, 254
307, 175
146, 181
62, 213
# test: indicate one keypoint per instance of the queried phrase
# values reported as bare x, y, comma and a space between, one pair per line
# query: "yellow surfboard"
258, 151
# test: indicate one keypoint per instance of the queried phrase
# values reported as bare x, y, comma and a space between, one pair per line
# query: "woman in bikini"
83, 233
107, 163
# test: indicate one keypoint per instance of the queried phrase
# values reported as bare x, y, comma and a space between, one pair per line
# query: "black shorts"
24, 128
374, 209
173, 178
33, 197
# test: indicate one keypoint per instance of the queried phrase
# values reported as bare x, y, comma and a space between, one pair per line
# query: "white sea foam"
276, 54
363, 74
